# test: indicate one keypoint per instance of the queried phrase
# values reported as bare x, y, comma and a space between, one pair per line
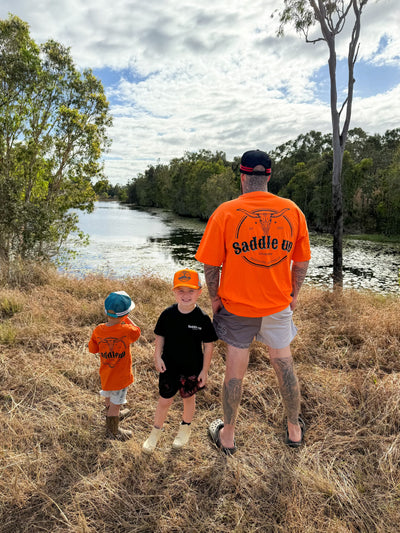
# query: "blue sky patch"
110, 77
370, 80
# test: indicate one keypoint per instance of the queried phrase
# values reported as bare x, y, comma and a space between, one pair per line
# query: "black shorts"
170, 383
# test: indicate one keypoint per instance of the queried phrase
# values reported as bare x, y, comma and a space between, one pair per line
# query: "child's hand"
160, 365
203, 377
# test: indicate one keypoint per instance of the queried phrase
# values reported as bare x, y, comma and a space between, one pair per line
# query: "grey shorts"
117, 397
276, 331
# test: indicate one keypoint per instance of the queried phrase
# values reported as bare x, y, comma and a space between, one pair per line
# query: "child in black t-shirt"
183, 351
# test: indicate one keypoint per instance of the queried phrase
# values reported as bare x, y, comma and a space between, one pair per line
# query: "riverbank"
374, 237
59, 474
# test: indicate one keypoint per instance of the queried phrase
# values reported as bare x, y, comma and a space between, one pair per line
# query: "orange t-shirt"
112, 343
255, 238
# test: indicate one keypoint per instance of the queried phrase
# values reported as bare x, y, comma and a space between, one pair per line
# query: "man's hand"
216, 304
293, 303
299, 271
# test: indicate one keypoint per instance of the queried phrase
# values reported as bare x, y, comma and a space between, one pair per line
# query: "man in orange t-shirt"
262, 243
112, 342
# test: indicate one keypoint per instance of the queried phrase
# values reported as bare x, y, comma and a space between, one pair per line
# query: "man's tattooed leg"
288, 386
231, 396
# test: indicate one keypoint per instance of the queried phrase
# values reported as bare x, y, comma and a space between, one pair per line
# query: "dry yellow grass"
59, 474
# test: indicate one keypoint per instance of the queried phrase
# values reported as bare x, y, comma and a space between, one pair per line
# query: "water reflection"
127, 241
366, 265
182, 243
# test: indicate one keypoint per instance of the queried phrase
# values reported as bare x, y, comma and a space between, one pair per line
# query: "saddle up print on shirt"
256, 240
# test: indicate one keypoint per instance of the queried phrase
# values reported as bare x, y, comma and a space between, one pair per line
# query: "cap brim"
188, 286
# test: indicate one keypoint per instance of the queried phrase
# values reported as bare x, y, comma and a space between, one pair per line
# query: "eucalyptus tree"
54, 121
331, 17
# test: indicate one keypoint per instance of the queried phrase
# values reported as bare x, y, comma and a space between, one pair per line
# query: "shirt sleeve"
211, 250
160, 325
209, 334
134, 333
93, 345
302, 251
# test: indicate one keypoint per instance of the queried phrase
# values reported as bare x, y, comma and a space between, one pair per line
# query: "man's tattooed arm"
211, 274
299, 271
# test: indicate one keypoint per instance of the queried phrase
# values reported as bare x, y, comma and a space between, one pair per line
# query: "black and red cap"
253, 158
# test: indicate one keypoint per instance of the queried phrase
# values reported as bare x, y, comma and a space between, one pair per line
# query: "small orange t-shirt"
112, 343
255, 238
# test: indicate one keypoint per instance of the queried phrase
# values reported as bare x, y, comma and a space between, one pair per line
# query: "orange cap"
187, 278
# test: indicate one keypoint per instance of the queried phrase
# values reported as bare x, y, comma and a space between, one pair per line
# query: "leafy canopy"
53, 131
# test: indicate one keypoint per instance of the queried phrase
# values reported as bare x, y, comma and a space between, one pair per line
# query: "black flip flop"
213, 430
296, 444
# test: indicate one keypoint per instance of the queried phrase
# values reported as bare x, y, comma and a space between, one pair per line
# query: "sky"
186, 75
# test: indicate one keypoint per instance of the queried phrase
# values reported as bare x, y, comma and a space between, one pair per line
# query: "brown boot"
114, 432
122, 414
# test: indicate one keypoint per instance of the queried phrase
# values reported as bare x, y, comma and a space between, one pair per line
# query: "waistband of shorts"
250, 312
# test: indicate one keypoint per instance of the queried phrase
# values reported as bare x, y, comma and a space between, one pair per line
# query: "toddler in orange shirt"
112, 341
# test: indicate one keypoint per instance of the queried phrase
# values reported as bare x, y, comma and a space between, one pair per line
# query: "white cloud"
214, 74
383, 106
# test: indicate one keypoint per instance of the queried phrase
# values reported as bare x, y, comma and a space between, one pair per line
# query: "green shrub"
8, 333
9, 307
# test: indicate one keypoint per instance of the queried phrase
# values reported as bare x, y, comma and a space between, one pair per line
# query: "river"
127, 241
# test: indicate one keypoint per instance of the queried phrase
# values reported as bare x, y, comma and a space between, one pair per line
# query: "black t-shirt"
183, 335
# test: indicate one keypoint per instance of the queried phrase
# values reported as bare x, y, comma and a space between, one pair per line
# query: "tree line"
195, 184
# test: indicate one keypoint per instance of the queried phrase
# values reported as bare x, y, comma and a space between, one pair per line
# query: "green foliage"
388, 196
8, 333
301, 170
53, 124
370, 180
217, 189
106, 191
188, 179
9, 307
297, 12
190, 186
102, 188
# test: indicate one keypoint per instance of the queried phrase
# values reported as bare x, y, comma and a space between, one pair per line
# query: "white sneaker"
182, 437
151, 442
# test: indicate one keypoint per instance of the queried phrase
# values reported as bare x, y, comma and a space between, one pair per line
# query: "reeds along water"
58, 473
